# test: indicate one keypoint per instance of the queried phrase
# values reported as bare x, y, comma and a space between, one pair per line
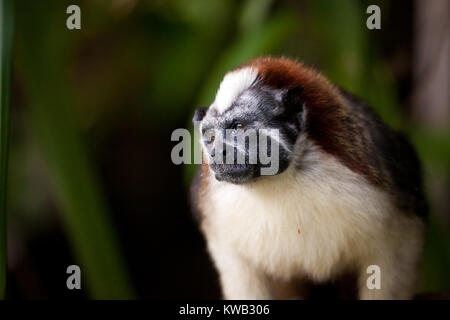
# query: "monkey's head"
251, 127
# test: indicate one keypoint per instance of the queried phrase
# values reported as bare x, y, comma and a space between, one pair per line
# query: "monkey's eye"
238, 127
210, 135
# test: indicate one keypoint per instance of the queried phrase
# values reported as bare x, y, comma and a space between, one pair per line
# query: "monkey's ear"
292, 100
293, 106
199, 114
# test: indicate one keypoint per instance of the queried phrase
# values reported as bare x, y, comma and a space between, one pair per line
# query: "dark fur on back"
390, 157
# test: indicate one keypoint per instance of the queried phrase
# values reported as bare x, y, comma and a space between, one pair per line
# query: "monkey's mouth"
232, 168
234, 173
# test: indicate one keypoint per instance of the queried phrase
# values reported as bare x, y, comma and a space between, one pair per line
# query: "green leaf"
6, 40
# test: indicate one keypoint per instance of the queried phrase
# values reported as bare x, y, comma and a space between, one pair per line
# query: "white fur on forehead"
233, 84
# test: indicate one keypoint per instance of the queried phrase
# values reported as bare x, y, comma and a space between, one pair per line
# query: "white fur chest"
313, 223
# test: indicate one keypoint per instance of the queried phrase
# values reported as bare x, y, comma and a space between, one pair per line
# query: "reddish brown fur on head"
282, 73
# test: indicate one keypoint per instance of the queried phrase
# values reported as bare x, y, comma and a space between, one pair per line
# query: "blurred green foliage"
165, 58
43, 53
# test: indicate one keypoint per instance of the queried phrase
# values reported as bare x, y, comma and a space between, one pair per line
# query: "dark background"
91, 178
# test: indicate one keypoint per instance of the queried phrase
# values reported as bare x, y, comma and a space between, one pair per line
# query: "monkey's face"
253, 136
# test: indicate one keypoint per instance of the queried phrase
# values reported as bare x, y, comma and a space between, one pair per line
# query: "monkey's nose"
224, 154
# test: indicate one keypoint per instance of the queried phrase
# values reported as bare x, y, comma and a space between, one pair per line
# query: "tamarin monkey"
347, 193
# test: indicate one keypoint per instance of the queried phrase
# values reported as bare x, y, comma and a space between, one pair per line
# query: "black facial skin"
256, 108
236, 174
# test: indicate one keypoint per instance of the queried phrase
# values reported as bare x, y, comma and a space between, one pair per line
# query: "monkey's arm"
239, 280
